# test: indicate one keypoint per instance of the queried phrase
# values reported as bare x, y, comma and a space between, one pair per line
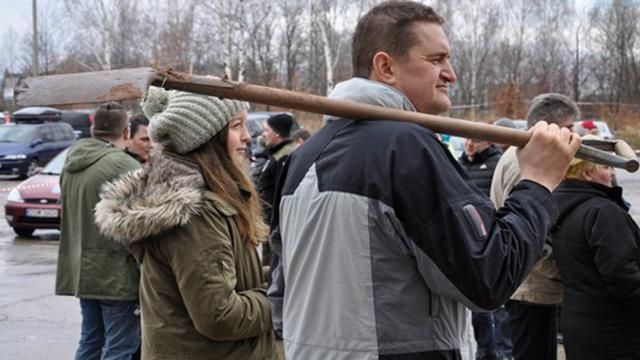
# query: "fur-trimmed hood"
166, 192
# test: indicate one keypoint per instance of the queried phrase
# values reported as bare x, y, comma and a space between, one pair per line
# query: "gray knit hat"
183, 121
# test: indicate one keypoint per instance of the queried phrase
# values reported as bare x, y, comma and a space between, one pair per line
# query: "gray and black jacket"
383, 242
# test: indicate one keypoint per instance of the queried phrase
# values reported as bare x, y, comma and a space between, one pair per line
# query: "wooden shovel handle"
357, 111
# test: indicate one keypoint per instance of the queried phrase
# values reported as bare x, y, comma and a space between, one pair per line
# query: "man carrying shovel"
382, 240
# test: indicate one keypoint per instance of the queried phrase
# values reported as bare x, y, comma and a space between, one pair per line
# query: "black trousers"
600, 337
534, 330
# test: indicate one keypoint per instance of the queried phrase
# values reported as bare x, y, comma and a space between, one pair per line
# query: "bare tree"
551, 45
101, 29
261, 30
474, 46
10, 52
291, 38
49, 43
618, 33
325, 14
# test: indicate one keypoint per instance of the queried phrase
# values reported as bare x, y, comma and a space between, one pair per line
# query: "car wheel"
24, 232
32, 169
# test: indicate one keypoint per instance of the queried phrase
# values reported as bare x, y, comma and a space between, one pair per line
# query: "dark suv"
25, 146
80, 120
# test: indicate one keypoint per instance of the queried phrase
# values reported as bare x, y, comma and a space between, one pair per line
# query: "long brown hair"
231, 183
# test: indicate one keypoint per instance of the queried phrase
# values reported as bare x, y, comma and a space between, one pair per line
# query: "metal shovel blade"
80, 88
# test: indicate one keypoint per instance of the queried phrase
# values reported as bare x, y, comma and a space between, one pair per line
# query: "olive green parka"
202, 291
91, 265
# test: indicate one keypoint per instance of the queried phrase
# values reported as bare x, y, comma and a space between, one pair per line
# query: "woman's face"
238, 139
602, 174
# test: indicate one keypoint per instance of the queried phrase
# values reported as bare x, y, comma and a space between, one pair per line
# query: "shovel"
128, 84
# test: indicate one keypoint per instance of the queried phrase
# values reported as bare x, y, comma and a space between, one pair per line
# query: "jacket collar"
481, 157
281, 145
370, 92
167, 192
590, 189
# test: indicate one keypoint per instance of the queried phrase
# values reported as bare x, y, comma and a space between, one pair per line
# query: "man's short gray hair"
552, 108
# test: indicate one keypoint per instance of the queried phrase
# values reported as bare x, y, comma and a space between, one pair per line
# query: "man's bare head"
402, 44
554, 109
388, 27
110, 122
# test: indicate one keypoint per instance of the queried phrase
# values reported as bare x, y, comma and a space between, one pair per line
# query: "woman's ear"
586, 174
382, 68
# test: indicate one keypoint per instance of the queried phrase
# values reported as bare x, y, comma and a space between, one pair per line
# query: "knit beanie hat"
183, 121
281, 124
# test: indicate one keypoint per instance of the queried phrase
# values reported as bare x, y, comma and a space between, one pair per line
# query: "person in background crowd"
193, 220
479, 161
103, 274
382, 240
140, 145
590, 127
491, 329
277, 139
533, 307
300, 136
597, 248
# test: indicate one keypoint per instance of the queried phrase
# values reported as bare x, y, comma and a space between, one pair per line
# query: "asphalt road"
36, 324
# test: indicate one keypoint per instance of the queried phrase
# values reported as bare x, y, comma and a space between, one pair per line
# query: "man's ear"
382, 68
125, 133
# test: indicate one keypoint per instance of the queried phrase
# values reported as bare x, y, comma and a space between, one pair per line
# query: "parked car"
34, 203
24, 147
520, 124
603, 129
455, 144
80, 120
35, 115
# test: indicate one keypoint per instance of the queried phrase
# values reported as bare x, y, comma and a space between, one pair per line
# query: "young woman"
193, 220
596, 245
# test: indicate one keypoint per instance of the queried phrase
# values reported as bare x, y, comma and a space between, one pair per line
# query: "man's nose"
448, 73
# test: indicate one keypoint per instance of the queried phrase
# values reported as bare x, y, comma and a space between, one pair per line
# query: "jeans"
492, 334
110, 330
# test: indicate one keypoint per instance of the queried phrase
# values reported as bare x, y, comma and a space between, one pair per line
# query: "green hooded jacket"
202, 291
91, 265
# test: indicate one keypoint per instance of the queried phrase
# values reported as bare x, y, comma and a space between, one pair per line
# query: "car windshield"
54, 167
16, 134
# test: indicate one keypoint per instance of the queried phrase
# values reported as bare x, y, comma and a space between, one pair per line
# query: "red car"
34, 203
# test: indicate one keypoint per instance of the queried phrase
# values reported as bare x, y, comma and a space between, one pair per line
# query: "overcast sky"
17, 14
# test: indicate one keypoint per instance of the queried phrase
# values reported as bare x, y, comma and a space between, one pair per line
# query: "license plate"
42, 213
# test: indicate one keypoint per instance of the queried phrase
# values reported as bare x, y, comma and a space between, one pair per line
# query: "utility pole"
34, 17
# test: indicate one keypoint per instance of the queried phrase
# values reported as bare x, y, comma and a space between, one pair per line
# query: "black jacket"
270, 172
597, 248
481, 168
